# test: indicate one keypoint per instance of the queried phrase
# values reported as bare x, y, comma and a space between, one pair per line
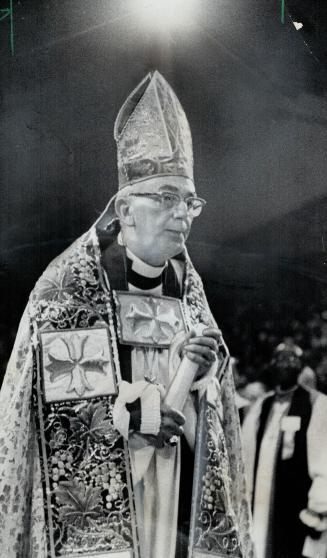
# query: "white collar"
139, 266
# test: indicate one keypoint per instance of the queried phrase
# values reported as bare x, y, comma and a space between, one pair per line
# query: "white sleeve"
249, 439
317, 456
20, 475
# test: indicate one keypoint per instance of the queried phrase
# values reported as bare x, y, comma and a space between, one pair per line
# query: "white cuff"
150, 406
315, 548
150, 395
314, 520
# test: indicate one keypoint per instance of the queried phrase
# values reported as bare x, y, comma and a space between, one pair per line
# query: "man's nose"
181, 210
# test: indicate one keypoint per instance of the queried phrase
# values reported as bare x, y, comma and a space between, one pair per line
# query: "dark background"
254, 91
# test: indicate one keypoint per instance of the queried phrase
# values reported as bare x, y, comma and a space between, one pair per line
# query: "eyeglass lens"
193, 204
169, 200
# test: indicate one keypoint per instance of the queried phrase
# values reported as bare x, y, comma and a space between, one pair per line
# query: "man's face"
286, 369
157, 234
321, 372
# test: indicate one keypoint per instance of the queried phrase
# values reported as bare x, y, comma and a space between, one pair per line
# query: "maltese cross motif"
77, 360
153, 321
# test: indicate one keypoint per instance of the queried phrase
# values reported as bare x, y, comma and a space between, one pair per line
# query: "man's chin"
178, 245
178, 248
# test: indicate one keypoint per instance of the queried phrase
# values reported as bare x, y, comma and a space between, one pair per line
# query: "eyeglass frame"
160, 196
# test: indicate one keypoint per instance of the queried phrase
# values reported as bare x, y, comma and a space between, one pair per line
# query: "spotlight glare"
297, 25
166, 14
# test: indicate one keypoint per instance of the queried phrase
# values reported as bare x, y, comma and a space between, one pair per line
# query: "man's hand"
203, 349
171, 425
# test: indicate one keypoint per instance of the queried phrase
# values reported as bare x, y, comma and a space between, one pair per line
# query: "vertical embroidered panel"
213, 524
84, 460
215, 531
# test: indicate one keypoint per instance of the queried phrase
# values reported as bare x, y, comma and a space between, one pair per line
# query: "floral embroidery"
57, 286
78, 504
57, 437
216, 529
69, 294
86, 480
195, 300
93, 422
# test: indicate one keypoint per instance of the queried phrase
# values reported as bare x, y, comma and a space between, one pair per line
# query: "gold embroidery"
148, 320
73, 363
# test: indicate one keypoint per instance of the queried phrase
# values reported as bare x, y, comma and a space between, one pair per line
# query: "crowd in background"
254, 332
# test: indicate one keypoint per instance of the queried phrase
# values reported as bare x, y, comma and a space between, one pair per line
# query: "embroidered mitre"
152, 134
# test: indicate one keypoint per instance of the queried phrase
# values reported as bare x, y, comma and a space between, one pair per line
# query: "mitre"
152, 134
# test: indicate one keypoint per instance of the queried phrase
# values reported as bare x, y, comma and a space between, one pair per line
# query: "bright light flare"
297, 25
167, 14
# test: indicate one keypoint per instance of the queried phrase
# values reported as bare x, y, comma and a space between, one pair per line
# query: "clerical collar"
139, 273
139, 266
142, 268
284, 395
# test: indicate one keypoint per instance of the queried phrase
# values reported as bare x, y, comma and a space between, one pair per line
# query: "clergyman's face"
286, 369
321, 372
158, 234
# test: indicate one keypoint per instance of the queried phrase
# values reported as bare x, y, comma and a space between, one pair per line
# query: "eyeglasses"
169, 200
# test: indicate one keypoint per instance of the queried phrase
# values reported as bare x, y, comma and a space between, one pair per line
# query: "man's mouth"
181, 229
176, 233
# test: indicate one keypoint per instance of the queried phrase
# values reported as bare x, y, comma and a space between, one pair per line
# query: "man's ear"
124, 211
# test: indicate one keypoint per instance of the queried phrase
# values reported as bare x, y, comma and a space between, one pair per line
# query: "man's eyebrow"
166, 187
173, 189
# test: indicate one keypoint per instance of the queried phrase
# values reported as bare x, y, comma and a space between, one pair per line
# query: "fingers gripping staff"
200, 359
200, 355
